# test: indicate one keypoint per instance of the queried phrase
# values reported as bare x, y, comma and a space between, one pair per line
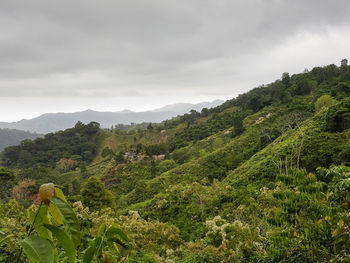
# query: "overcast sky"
71, 55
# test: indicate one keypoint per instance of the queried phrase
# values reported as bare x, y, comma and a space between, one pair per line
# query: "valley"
263, 177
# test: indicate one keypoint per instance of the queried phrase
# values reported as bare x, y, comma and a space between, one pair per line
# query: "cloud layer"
185, 49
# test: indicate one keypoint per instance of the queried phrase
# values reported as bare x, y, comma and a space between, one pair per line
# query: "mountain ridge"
52, 122
10, 137
251, 180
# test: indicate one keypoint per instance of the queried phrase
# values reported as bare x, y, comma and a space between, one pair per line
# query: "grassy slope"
247, 167
222, 174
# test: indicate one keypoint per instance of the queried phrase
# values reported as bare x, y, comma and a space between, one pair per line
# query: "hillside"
263, 177
52, 122
10, 137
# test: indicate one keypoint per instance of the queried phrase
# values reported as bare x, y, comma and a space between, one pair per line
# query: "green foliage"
256, 197
238, 124
119, 157
105, 241
216, 123
68, 218
156, 149
338, 116
322, 148
38, 249
65, 240
95, 195
310, 222
38, 219
238, 238
180, 156
7, 182
166, 165
150, 127
324, 101
107, 152
80, 140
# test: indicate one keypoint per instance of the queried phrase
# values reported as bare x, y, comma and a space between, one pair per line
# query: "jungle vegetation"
264, 177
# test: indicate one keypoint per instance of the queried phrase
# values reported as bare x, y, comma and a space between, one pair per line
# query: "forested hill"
78, 144
263, 177
13, 137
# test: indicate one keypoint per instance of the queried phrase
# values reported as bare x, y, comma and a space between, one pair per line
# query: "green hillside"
261, 178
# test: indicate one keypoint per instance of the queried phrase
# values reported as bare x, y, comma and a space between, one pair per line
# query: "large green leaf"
98, 244
38, 249
102, 229
113, 247
69, 219
59, 194
5, 238
40, 219
95, 248
65, 241
117, 235
89, 254
53, 209
55, 214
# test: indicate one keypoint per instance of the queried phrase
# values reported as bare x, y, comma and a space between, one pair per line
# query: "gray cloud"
144, 47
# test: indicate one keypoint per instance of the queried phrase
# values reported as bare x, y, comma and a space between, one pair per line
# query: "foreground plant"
54, 223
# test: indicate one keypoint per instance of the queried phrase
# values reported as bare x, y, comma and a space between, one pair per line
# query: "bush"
95, 195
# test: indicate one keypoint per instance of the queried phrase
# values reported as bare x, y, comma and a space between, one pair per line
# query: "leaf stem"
30, 230
103, 237
36, 215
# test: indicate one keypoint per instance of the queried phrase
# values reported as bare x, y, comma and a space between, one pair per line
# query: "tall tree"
95, 195
7, 181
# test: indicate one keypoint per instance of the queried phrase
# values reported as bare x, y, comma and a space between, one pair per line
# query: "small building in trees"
130, 156
158, 157
344, 62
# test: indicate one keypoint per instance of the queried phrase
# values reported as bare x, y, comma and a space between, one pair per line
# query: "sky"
110, 55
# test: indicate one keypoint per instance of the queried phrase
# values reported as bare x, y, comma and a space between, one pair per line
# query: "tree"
83, 169
107, 152
65, 165
92, 128
324, 101
303, 85
338, 116
75, 186
95, 195
25, 159
285, 79
25, 189
119, 157
153, 168
7, 181
78, 143
190, 118
238, 125
139, 148
205, 112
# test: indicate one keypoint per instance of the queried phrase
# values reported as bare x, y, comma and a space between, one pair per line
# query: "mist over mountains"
51, 122
9, 137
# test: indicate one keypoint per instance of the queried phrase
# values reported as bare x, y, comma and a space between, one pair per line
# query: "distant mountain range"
51, 122
10, 137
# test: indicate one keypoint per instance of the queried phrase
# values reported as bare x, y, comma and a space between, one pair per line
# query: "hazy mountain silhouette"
10, 137
51, 122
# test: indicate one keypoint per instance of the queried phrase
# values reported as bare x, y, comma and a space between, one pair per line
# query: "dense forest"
264, 177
